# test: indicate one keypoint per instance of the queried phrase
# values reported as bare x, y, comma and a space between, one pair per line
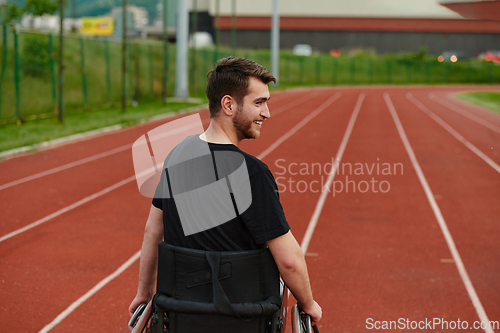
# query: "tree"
40, 7
11, 13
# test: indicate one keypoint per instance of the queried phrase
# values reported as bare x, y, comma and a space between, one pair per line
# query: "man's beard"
244, 125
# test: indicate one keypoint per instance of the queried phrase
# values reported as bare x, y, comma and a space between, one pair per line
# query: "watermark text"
429, 324
288, 176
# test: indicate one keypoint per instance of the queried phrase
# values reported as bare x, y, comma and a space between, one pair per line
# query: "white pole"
275, 41
181, 78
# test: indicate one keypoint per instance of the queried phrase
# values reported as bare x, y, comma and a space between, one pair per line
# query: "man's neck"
218, 133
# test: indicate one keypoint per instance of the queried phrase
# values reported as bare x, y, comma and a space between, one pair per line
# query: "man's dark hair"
230, 76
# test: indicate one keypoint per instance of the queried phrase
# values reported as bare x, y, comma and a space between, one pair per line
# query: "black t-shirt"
262, 221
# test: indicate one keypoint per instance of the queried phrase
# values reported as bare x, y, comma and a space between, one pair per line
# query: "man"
238, 95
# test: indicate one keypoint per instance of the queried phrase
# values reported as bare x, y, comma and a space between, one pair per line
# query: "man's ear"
227, 105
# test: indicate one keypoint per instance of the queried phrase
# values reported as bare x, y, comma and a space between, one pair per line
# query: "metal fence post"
108, 71
151, 70
4, 61
82, 66
60, 107
233, 26
124, 56
164, 78
318, 70
301, 74
408, 71
467, 72
206, 59
289, 59
427, 72
130, 72
137, 72
194, 30
217, 30
370, 70
334, 70
353, 69
16, 78
389, 71
52, 64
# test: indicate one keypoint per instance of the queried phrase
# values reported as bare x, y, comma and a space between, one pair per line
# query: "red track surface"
372, 255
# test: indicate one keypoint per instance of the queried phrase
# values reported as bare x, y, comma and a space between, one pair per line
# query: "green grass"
145, 68
485, 99
144, 80
39, 130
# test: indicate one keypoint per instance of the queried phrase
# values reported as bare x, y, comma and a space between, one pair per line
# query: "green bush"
35, 56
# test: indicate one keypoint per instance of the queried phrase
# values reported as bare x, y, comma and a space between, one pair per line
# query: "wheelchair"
212, 292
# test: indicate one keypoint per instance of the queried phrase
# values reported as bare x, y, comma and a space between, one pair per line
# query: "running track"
72, 218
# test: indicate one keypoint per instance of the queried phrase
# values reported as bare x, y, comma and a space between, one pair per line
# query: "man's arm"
292, 265
153, 234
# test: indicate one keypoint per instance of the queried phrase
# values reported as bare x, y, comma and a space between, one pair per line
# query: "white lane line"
464, 112
299, 125
293, 103
447, 127
279, 95
128, 180
66, 166
437, 213
66, 209
105, 281
71, 164
326, 189
125, 147
90, 293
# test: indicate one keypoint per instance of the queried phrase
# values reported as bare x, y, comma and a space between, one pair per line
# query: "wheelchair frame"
301, 323
191, 293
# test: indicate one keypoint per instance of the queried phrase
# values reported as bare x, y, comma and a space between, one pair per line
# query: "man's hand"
314, 310
138, 300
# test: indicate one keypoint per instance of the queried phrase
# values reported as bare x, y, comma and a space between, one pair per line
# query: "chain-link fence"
93, 71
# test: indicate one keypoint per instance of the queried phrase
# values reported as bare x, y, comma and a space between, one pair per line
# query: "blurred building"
475, 9
204, 19
137, 19
380, 25
138, 15
48, 23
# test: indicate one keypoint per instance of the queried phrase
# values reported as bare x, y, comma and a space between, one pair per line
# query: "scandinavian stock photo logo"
346, 177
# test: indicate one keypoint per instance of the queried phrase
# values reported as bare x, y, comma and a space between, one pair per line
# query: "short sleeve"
161, 191
157, 203
265, 218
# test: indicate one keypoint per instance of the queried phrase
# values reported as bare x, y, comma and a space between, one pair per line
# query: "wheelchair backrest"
245, 276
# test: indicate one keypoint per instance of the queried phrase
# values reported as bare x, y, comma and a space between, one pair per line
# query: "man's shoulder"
254, 164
